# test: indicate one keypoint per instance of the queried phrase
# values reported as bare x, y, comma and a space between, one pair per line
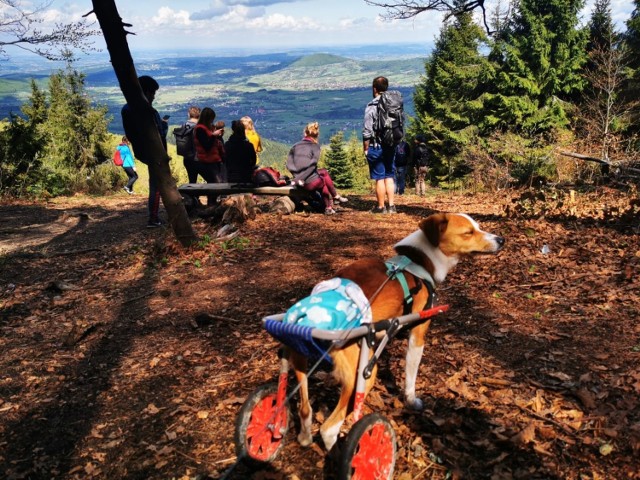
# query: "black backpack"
422, 155
184, 140
390, 125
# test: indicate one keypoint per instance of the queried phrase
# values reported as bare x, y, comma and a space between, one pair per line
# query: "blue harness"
396, 268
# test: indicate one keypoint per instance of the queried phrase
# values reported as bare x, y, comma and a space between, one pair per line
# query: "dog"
439, 243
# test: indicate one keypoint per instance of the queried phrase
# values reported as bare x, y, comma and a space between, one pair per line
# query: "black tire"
255, 442
369, 451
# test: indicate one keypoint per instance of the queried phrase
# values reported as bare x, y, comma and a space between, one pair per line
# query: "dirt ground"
123, 356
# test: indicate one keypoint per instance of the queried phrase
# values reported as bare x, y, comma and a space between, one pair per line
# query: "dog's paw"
305, 439
414, 403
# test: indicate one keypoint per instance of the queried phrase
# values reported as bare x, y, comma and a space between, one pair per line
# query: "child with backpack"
128, 164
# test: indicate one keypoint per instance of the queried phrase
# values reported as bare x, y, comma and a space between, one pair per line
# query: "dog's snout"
500, 241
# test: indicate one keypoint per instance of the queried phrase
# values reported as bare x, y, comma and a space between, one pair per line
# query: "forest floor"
124, 356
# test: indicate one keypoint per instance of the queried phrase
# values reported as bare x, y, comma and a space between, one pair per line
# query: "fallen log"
589, 158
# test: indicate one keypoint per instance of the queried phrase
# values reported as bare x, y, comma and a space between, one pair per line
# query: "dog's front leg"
414, 355
305, 412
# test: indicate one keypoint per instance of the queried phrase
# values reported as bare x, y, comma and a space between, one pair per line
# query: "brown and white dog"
437, 245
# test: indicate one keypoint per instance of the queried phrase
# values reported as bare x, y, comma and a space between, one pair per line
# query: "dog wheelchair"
369, 448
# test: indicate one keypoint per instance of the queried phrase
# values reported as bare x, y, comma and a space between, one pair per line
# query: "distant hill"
281, 91
318, 60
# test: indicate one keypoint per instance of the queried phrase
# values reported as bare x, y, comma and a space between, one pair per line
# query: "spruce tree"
338, 163
21, 146
603, 111
77, 130
539, 55
446, 100
632, 47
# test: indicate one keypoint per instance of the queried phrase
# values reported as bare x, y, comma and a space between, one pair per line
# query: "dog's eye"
469, 234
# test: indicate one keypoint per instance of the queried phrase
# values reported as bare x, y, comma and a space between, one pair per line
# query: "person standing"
421, 163
241, 156
380, 158
128, 164
189, 159
133, 132
403, 153
252, 136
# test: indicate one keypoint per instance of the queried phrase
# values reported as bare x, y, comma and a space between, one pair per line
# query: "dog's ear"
433, 227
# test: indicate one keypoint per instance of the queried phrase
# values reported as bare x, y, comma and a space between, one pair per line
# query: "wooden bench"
191, 191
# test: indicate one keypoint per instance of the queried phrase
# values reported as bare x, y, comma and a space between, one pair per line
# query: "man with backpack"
421, 163
185, 146
383, 129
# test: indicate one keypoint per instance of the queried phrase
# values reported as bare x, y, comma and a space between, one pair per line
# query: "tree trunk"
115, 37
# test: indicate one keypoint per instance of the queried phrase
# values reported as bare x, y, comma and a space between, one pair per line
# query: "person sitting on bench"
303, 165
241, 156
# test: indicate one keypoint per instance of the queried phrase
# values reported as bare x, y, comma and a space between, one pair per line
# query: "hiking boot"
377, 209
330, 211
340, 199
391, 209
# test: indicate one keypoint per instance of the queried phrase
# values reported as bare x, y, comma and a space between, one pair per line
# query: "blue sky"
257, 24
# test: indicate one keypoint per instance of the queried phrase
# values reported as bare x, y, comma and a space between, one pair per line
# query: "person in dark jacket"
302, 162
402, 159
241, 156
140, 149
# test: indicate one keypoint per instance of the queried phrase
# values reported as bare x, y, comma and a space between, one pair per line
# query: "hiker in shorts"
380, 158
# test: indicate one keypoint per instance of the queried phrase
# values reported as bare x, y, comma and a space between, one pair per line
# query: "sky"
260, 24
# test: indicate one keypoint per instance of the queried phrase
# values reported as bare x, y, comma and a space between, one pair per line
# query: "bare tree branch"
19, 27
403, 10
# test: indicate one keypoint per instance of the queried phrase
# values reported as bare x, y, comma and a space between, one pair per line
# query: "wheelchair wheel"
369, 452
260, 428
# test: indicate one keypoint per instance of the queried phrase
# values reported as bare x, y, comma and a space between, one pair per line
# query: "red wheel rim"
374, 458
261, 443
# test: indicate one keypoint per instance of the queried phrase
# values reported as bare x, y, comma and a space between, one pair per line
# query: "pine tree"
446, 101
603, 112
632, 46
338, 163
77, 130
22, 144
539, 55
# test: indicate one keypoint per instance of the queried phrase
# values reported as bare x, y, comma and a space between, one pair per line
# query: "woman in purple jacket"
303, 165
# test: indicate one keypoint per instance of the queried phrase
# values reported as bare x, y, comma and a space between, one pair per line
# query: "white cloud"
168, 17
278, 21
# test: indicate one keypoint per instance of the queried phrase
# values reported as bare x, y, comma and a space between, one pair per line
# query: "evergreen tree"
77, 131
446, 100
22, 144
338, 163
601, 29
632, 46
539, 55
603, 113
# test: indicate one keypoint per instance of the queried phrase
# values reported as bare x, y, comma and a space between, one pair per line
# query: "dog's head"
457, 234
